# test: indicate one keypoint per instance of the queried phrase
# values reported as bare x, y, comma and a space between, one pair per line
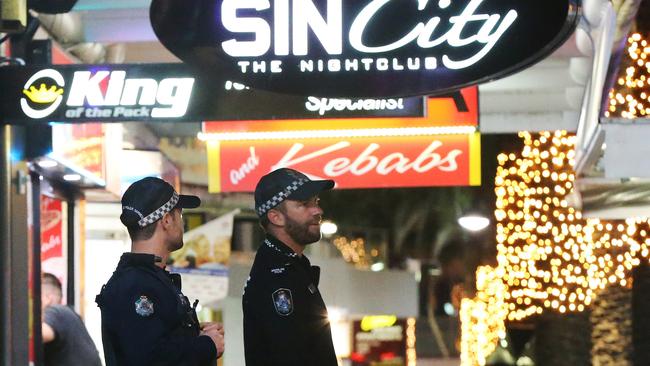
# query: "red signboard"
364, 162
455, 109
53, 257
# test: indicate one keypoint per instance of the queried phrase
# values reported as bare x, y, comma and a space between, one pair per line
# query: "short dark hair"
51, 286
142, 233
264, 220
51, 280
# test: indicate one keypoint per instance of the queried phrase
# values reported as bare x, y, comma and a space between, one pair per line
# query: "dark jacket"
146, 320
285, 319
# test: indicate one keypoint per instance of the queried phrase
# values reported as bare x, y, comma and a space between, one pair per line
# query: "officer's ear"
276, 217
167, 220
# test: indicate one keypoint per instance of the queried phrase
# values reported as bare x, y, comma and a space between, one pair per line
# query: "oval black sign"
363, 47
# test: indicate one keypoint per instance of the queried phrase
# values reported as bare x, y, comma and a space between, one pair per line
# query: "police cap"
285, 183
149, 199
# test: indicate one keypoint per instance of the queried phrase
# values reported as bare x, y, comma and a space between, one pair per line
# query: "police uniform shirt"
285, 319
146, 320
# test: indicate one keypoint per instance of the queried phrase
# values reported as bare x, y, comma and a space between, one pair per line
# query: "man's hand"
47, 333
216, 332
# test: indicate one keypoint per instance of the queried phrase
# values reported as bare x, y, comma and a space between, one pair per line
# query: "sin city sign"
363, 47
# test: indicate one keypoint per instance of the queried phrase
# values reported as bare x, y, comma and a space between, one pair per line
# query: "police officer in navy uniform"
146, 319
285, 319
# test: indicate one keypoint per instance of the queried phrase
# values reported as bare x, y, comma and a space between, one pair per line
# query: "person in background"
285, 318
66, 340
146, 319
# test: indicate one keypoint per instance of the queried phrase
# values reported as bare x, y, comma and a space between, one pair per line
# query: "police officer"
146, 319
285, 319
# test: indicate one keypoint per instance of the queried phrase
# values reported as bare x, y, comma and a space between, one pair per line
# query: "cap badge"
283, 301
144, 306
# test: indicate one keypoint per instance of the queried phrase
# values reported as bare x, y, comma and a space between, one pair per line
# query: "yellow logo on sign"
43, 95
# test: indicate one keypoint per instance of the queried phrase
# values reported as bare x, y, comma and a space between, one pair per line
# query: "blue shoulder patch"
283, 301
144, 306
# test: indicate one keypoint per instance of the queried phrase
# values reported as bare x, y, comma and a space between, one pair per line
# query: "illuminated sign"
443, 111
166, 92
371, 322
359, 162
384, 344
363, 47
105, 94
243, 103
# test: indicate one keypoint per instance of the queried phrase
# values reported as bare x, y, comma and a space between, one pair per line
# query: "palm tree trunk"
563, 339
641, 315
611, 319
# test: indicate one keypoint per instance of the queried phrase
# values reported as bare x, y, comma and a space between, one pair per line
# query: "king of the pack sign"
363, 47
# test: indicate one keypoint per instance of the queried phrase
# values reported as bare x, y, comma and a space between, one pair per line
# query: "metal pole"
5, 245
20, 243
14, 241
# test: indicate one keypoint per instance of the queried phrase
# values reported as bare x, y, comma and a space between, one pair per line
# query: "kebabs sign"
363, 47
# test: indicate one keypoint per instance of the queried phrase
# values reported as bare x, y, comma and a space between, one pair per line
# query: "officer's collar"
139, 259
276, 245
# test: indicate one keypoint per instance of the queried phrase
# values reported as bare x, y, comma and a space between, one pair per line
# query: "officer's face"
302, 220
176, 234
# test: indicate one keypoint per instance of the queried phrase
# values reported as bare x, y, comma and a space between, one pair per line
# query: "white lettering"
235, 24
131, 112
235, 86
115, 88
382, 64
484, 36
85, 86
361, 23
329, 33
334, 65
370, 159
352, 65
281, 24
248, 166
171, 96
384, 167
306, 65
324, 105
175, 93
286, 161
276, 66
132, 88
336, 167
294, 22
365, 162
423, 32
397, 66
430, 63
259, 66
243, 65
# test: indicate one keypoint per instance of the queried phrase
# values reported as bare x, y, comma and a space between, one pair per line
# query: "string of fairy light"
548, 255
354, 251
632, 99
547, 262
481, 318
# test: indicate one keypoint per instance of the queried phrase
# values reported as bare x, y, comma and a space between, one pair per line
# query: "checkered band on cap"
280, 196
160, 212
